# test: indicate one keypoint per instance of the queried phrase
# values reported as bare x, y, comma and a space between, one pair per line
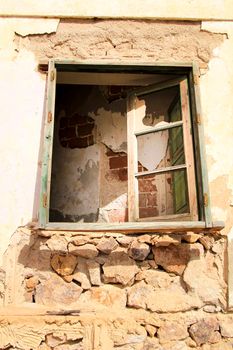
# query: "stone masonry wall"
148, 291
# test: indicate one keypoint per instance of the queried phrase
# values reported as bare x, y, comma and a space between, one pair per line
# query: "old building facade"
117, 175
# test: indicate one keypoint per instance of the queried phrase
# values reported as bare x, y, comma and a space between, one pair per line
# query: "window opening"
121, 147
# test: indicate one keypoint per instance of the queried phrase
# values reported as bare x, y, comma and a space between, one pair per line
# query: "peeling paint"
27, 26
216, 85
23, 27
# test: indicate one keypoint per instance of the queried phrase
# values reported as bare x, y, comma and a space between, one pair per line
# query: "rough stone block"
64, 265
191, 237
175, 258
57, 244
108, 295
139, 251
119, 268
107, 245
203, 331
202, 278
56, 292
166, 240
88, 251
125, 241
172, 331
94, 272
81, 274
170, 299
80, 240
226, 327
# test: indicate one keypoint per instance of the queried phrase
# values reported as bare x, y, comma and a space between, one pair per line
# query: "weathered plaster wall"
22, 110
125, 40
216, 92
29, 256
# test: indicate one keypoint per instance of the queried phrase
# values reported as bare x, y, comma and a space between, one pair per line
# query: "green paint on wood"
47, 148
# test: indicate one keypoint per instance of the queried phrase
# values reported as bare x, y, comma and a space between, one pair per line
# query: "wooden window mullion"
188, 149
133, 209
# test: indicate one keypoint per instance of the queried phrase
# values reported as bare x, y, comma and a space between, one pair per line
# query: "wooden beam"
133, 227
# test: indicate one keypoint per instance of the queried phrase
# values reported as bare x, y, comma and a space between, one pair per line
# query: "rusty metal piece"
198, 118
206, 199
52, 75
45, 200
196, 79
49, 117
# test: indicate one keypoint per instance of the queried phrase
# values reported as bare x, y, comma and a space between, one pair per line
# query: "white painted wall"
21, 119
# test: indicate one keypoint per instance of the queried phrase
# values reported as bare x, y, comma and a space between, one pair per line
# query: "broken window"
120, 147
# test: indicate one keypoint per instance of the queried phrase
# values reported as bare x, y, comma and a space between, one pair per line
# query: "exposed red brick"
111, 153
118, 162
67, 133
151, 199
77, 119
142, 200
141, 168
150, 177
78, 142
85, 130
123, 174
147, 212
146, 185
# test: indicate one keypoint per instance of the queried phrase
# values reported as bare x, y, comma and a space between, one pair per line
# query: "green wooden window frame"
191, 73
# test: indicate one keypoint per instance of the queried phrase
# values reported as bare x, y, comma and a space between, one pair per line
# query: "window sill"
136, 227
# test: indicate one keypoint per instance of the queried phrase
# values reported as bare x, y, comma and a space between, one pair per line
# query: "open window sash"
48, 146
179, 171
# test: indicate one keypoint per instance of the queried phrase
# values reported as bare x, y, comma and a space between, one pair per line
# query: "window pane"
156, 108
163, 194
160, 149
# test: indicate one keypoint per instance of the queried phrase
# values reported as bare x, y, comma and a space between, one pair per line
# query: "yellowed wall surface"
161, 9
217, 92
